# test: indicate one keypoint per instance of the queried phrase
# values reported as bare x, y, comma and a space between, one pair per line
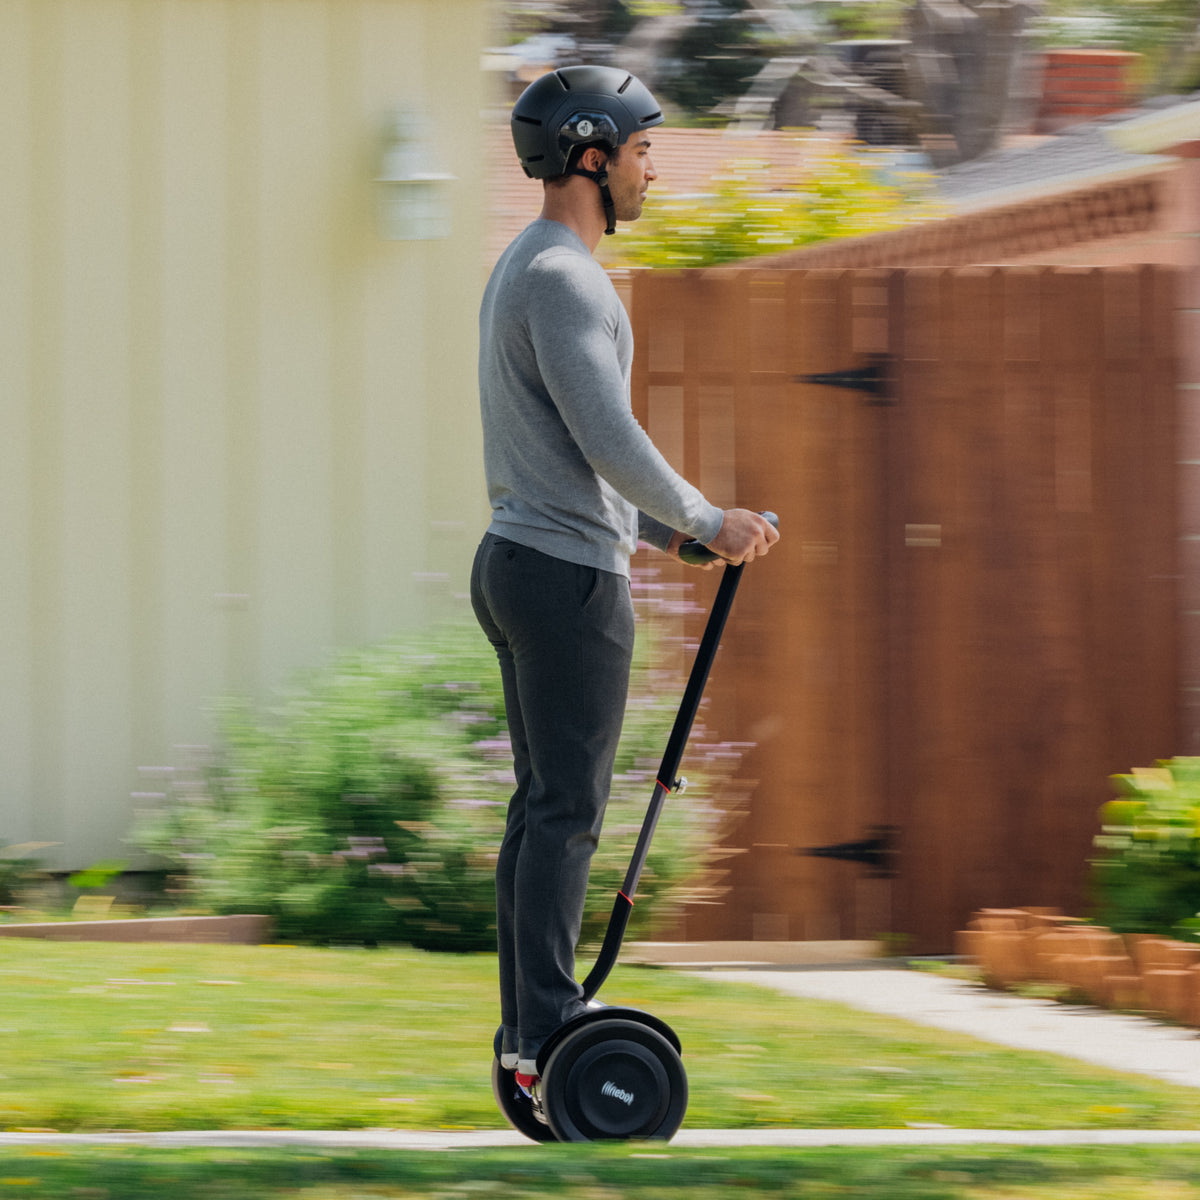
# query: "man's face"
629, 176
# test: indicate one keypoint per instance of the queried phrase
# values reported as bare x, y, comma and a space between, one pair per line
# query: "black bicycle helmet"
576, 107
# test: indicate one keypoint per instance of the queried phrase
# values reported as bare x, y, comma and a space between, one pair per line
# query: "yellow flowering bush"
841, 193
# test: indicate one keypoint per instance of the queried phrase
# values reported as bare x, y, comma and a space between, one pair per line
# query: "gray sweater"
570, 472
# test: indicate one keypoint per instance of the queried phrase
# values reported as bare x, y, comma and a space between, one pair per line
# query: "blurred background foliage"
842, 194
1146, 876
1165, 32
706, 52
367, 804
19, 869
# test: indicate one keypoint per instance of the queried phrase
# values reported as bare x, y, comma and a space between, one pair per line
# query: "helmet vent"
621, 89
654, 116
563, 80
526, 120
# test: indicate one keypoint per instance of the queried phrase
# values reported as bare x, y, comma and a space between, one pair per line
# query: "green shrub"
368, 804
1147, 876
842, 194
19, 870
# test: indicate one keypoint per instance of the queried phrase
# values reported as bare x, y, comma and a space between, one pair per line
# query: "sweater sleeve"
574, 326
654, 533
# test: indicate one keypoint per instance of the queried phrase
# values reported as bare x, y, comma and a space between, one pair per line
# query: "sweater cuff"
711, 526
653, 532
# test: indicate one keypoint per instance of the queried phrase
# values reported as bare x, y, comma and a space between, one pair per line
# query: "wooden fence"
972, 618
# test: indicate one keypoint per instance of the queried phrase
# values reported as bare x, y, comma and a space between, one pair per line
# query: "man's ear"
593, 158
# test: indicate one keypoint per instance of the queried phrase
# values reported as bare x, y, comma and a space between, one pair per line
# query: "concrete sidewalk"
1107, 1039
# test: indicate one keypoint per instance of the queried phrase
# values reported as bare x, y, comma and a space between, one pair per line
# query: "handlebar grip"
697, 554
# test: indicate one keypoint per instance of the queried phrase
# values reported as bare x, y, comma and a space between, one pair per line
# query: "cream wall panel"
40, 623
433, 396
352, 247
236, 422
395, 540
195, 587
16, 416
147, 469
456, 437
296, 162
95, 563
398, 397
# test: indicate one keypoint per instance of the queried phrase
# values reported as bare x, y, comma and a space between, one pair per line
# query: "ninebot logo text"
611, 1089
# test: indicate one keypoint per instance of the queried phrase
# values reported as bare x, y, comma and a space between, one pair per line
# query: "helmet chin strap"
600, 179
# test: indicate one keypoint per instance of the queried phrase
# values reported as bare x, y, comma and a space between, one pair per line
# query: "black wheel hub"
619, 1089
614, 1079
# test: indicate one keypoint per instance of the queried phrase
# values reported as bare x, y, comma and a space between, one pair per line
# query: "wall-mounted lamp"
411, 197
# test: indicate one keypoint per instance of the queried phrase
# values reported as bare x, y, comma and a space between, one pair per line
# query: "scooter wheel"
614, 1080
516, 1106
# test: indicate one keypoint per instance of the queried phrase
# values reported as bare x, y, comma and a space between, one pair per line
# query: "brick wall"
1141, 210
1081, 85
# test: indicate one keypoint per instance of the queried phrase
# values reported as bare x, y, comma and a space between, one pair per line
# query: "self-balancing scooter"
616, 1073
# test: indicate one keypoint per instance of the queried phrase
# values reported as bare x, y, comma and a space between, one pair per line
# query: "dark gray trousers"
563, 634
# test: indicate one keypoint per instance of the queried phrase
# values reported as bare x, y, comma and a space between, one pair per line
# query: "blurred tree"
696, 53
591, 21
1165, 32
970, 69
714, 59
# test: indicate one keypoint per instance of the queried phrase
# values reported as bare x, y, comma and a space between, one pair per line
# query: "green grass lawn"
96, 1037
593, 1172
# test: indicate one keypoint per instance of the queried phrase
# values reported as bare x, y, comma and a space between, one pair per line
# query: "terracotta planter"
1134, 972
